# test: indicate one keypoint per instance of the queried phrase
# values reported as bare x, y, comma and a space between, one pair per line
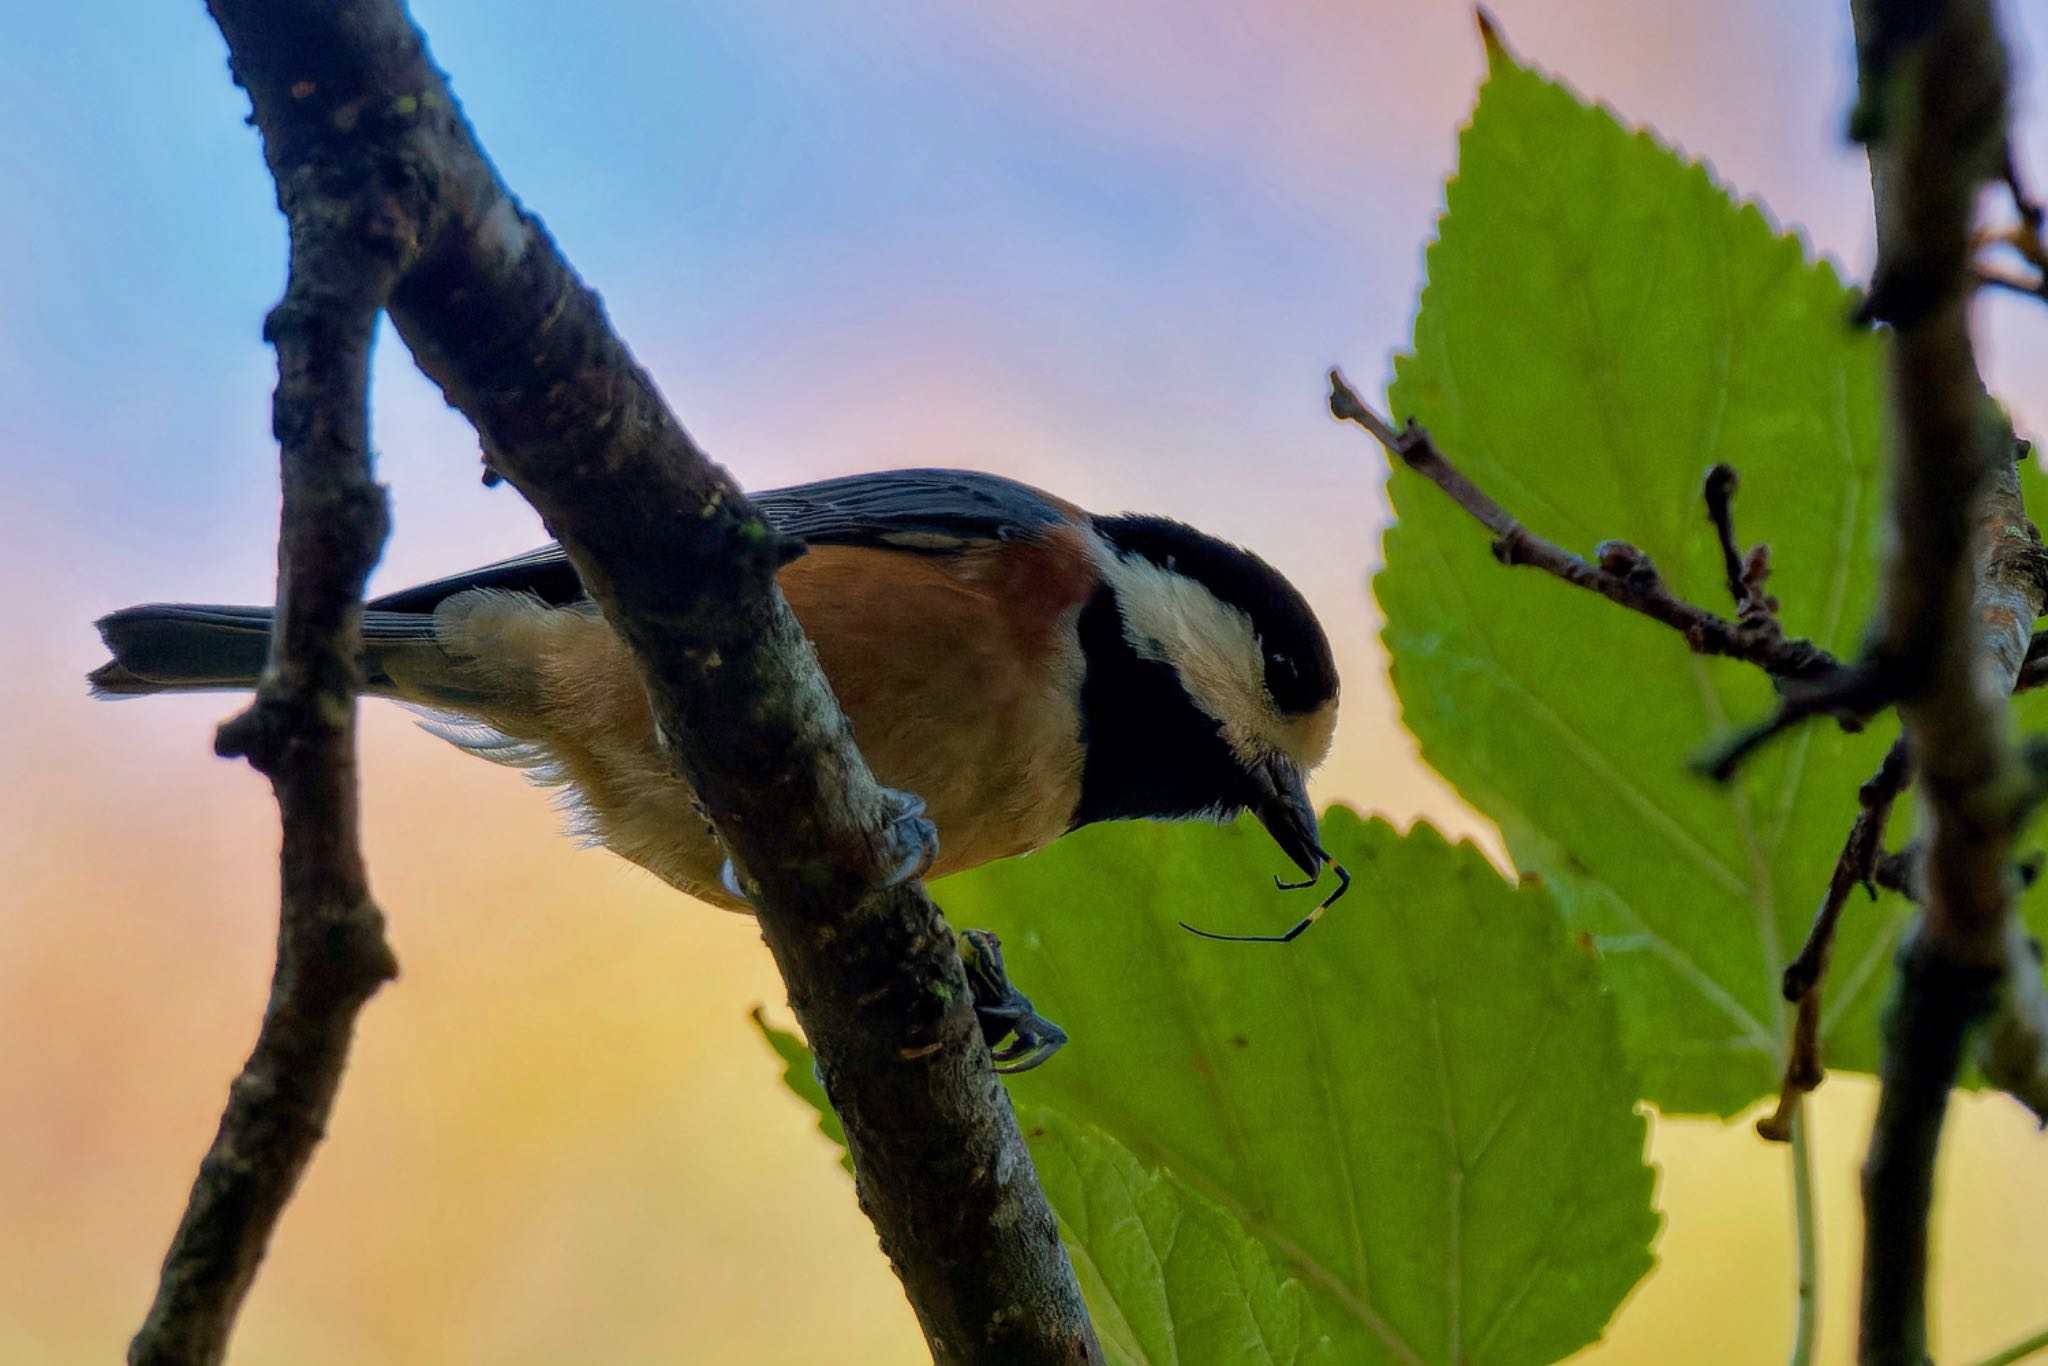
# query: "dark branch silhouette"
1963, 588
300, 731
1622, 573
360, 130
1858, 865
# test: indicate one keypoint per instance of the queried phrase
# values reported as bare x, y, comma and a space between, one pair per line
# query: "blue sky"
1108, 248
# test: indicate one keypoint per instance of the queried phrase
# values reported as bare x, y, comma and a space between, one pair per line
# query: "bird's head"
1252, 667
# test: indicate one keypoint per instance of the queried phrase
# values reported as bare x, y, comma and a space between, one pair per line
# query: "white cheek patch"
1171, 618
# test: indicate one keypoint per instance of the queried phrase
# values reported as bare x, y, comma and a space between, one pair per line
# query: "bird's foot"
729, 878
1005, 1011
909, 847
911, 844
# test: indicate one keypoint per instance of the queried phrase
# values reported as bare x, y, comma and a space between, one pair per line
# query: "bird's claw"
1037, 1039
910, 846
729, 878
1005, 1011
912, 841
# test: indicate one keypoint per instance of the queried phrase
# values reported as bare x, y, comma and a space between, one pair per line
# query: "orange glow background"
1106, 248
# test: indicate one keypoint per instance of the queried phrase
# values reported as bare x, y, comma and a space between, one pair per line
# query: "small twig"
1746, 572
300, 732
1719, 492
1812, 681
1993, 277
1803, 1072
2018, 1351
1859, 692
2024, 238
1807, 973
1893, 870
2032, 214
1852, 697
1857, 865
1623, 575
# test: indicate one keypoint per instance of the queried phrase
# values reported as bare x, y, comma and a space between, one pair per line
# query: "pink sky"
1106, 248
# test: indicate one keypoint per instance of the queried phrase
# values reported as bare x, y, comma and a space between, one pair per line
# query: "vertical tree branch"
1962, 590
684, 569
300, 731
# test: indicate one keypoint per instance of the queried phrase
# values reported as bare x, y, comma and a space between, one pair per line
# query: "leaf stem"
1806, 1228
2018, 1351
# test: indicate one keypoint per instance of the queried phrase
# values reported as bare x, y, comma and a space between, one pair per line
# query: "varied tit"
1024, 667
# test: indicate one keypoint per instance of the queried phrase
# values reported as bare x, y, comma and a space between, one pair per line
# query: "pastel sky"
1108, 248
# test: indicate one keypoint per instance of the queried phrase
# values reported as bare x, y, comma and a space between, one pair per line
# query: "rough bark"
300, 731
1962, 590
348, 101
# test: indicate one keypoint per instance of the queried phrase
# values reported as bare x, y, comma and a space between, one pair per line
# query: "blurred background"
1107, 248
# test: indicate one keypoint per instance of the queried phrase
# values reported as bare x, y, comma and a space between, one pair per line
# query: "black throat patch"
1151, 752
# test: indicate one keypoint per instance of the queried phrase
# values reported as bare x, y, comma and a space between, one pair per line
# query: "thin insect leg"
1343, 886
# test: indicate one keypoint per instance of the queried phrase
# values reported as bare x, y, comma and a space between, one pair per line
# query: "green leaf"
800, 1075
1168, 1275
1422, 1108
1601, 324
1421, 1111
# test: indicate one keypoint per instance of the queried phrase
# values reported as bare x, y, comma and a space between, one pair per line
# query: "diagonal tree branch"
1805, 975
300, 731
1622, 573
1963, 588
348, 102
1810, 681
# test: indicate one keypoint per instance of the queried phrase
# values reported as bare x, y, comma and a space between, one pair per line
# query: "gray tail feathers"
174, 646
182, 647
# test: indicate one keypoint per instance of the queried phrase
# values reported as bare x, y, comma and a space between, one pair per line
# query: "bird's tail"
185, 647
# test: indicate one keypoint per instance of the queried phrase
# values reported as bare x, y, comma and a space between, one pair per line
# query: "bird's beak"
1281, 804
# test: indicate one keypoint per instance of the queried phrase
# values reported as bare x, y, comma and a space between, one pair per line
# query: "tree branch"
684, 568
1623, 573
1962, 590
1807, 972
2018, 1351
2023, 238
300, 731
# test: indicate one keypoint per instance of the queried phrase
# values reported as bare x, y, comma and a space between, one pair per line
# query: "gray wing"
930, 511
911, 509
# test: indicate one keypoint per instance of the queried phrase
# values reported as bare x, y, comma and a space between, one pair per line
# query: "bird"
1023, 666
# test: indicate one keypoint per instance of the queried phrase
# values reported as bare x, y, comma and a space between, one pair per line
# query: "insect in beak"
1280, 801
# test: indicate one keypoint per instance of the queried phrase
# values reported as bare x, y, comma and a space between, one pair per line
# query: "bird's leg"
1004, 1010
